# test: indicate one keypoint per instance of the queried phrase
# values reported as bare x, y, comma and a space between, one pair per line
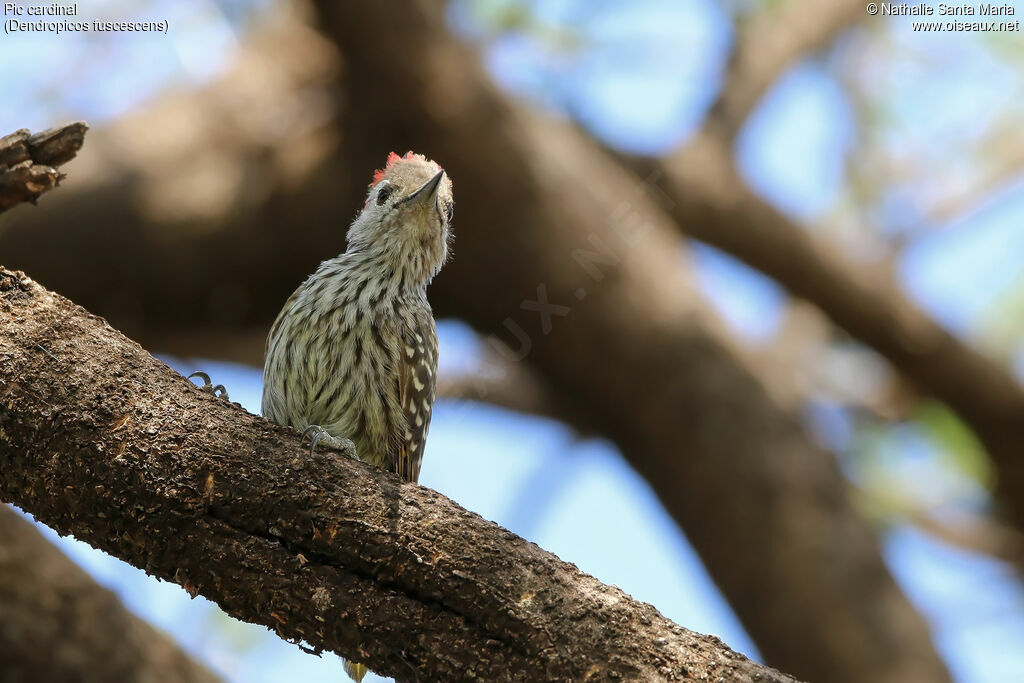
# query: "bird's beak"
426, 193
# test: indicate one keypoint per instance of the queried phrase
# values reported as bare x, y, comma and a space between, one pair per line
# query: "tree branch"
101, 440
715, 206
28, 162
769, 43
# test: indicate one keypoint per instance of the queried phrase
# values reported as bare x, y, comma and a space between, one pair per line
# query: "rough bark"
28, 162
636, 357
101, 440
59, 625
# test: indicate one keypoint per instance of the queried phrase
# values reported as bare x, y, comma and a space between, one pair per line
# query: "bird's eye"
383, 194
451, 211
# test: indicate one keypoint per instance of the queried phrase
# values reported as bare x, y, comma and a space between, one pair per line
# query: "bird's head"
407, 217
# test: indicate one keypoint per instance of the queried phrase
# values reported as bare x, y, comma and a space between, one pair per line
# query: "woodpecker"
352, 356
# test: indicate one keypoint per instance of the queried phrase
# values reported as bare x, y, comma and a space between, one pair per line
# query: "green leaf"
960, 448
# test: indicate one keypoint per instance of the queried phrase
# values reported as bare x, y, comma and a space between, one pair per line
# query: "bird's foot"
319, 435
217, 390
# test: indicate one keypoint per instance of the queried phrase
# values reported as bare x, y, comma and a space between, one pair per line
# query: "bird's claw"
217, 390
319, 434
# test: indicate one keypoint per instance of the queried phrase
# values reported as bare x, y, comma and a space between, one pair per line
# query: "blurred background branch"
59, 625
716, 207
769, 40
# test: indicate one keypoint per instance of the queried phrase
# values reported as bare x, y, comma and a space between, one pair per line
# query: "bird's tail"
354, 670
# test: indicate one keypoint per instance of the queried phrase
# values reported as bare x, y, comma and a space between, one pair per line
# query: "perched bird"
353, 353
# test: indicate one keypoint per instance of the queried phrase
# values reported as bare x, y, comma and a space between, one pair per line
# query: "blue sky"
642, 81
